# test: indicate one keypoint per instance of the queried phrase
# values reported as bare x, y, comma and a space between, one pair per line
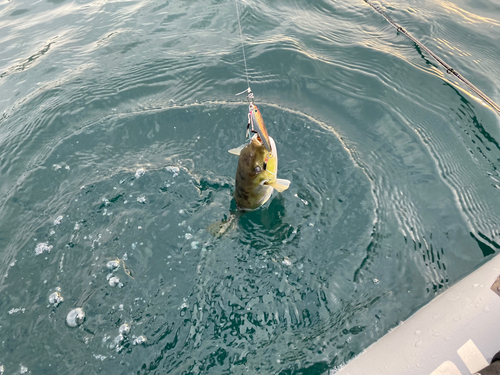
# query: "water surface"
116, 118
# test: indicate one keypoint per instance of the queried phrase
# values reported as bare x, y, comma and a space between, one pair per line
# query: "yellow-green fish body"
256, 176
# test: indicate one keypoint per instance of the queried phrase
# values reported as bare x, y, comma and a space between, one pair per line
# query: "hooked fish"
256, 175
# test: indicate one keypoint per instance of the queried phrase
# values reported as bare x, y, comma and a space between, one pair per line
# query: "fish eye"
258, 169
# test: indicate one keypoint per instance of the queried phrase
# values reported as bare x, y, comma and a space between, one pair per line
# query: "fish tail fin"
220, 227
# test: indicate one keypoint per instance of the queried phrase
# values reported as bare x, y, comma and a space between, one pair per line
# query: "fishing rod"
448, 68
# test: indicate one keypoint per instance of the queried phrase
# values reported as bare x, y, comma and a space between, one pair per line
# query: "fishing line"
448, 68
242, 46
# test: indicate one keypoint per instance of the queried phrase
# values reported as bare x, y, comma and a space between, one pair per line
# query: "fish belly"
251, 200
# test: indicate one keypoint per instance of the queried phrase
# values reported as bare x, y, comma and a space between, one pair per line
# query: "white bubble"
16, 310
58, 220
42, 247
174, 170
124, 329
188, 236
141, 199
117, 341
114, 281
75, 317
140, 340
113, 264
140, 172
287, 261
99, 357
77, 226
194, 245
55, 298
23, 369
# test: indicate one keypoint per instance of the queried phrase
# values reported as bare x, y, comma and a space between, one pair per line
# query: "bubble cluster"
174, 170
16, 310
141, 199
42, 247
124, 329
113, 264
117, 342
140, 340
55, 299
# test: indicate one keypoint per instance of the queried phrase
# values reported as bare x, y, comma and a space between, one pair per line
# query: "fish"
256, 174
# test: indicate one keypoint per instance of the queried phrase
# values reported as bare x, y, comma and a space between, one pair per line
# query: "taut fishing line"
448, 68
242, 48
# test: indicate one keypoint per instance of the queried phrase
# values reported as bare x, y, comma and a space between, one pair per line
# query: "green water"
115, 121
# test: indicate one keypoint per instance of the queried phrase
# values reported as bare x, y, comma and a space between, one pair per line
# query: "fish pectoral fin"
236, 151
279, 184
